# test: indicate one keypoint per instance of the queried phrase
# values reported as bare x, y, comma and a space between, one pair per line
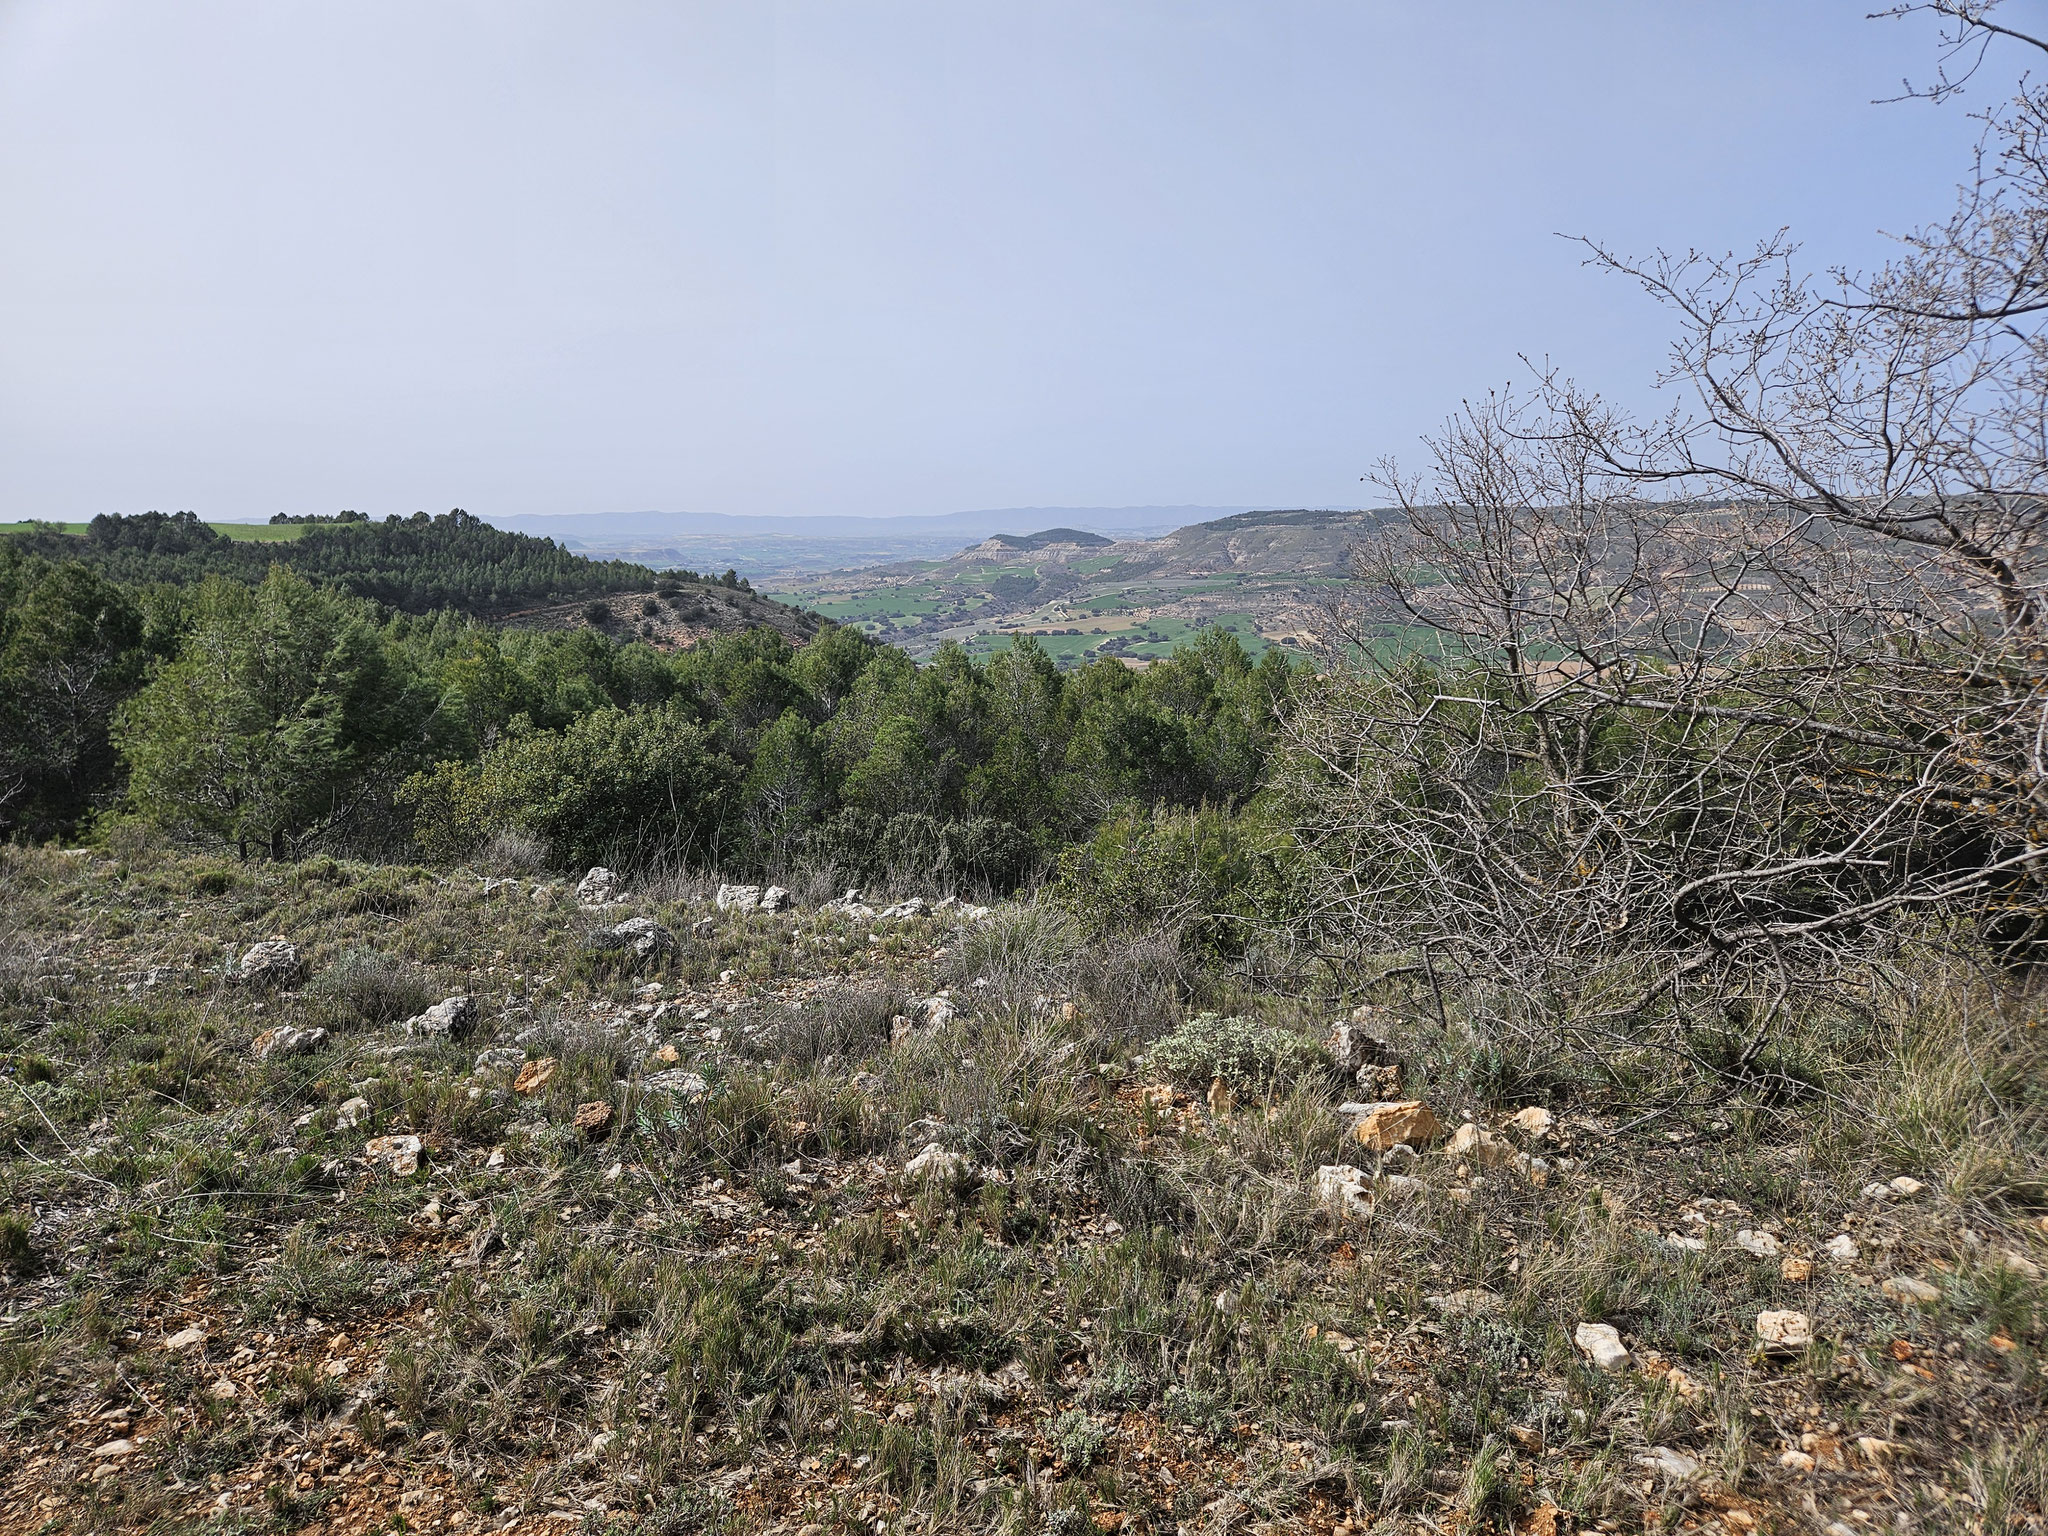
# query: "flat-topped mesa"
1051, 538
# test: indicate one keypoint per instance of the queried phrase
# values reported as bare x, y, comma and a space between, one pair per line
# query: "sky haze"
871, 258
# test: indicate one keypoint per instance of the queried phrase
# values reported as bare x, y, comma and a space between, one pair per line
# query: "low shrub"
1249, 1057
373, 989
1192, 875
17, 1255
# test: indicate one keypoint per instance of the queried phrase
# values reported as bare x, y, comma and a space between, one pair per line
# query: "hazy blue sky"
871, 257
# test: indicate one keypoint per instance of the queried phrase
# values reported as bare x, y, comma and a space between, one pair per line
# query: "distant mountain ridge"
787, 549
974, 524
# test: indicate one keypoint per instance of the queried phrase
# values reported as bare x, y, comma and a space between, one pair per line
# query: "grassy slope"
742, 1314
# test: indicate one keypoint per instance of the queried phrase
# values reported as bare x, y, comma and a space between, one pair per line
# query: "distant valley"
1264, 576
779, 550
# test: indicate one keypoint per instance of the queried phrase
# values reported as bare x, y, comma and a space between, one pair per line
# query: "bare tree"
1711, 708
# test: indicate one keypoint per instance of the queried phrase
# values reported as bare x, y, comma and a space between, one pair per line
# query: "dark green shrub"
1195, 874
923, 851
17, 1255
615, 785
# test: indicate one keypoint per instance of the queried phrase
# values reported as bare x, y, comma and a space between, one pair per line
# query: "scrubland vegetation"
1583, 1072
660, 1260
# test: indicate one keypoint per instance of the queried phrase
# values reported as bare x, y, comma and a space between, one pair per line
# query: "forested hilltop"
416, 564
288, 716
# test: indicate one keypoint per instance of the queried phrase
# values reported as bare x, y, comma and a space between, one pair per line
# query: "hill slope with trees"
416, 564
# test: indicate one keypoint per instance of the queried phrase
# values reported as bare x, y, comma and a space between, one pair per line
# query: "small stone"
1362, 1056
190, 1338
593, 1117
1874, 1449
1784, 1332
936, 1162
598, 887
1341, 1189
1534, 1122
1798, 1271
1482, 1148
1906, 1188
642, 935
1685, 1244
1842, 1248
284, 1040
222, 1391
1402, 1121
683, 1084
1906, 1288
113, 1450
268, 963
1674, 1466
1762, 1244
1601, 1344
534, 1076
2014, 1262
453, 1018
401, 1153
1795, 1461
1825, 1449
1877, 1191
739, 898
1397, 1186
1684, 1385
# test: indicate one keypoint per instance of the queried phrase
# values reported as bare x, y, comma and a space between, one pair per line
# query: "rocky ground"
348, 1198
